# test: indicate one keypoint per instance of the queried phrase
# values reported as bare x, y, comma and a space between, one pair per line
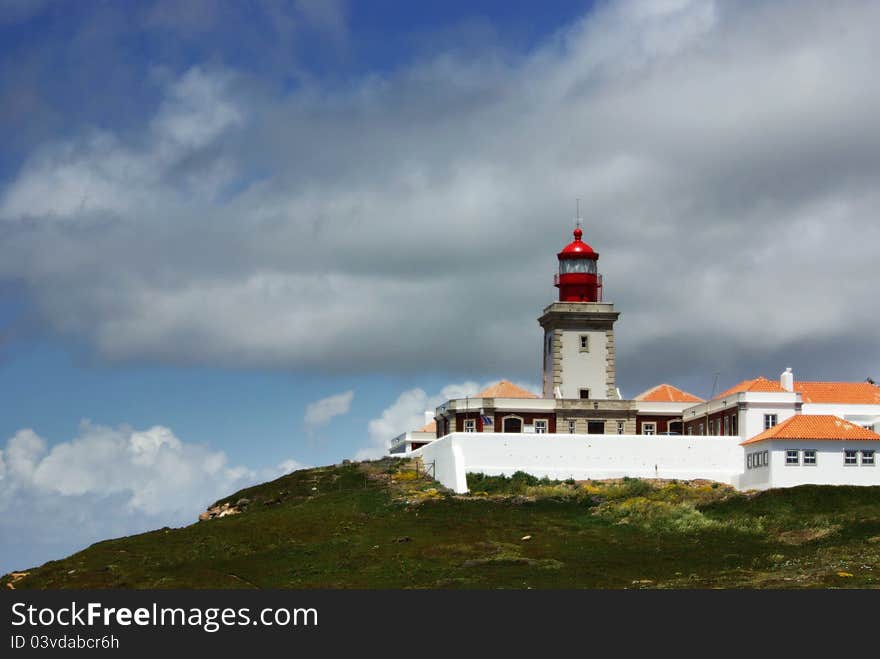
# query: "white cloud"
720, 150
321, 412
104, 483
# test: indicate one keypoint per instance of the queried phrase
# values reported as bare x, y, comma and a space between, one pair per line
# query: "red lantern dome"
578, 279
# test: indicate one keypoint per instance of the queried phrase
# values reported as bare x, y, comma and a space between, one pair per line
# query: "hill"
383, 524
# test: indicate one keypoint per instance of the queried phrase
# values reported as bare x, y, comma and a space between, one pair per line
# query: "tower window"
585, 343
584, 394
770, 420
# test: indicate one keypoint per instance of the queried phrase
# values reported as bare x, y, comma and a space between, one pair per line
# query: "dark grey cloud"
725, 155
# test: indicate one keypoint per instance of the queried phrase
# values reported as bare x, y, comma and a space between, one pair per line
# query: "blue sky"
216, 215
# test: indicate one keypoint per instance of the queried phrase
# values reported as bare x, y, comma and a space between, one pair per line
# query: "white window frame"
766, 458
649, 426
770, 420
792, 453
812, 455
726, 425
543, 425
621, 427
470, 425
873, 458
850, 460
749, 460
572, 426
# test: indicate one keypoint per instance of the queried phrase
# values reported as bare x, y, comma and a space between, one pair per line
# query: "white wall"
861, 415
446, 460
751, 421
584, 370
584, 456
829, 469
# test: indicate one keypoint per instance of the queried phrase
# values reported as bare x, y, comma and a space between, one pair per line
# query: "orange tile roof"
428, 427
504, 389
756, 384
815, 426
853, 393
666, 393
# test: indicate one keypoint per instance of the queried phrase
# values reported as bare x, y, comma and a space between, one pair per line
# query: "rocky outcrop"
224, 510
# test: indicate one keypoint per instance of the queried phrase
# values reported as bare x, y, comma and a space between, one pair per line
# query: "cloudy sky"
239, 238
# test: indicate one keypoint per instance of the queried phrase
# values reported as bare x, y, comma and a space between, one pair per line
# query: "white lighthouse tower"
578, 351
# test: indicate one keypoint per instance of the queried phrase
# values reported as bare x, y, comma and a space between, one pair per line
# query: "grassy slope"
374, 526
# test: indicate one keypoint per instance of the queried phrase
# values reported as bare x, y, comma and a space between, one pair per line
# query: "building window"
585, 343
749, 460
571, 427
769, 421
649, 428
470, 425
733, 424
712, 427
540, 426
810, 457
867, 458
727, 425
766, 458
690, 430
701, 429
792, 457
584, 394
620, 427
596, 427
512, 424
850, 457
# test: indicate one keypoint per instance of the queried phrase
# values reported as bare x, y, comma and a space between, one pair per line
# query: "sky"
238, 239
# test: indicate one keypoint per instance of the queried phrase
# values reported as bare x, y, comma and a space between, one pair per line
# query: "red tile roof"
428, 427
757, 384
816, 426
504, 389
666, 393
854, 393
847, 393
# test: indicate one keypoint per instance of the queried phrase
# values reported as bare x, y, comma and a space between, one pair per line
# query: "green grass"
382, 525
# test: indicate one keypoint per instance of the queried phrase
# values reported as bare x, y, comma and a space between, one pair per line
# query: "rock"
204, 516
526, 537
346, 462
404, 538
241, 503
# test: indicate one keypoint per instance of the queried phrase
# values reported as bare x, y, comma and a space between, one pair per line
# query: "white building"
581, 427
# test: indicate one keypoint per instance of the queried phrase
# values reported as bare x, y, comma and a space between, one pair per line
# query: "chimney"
786, 380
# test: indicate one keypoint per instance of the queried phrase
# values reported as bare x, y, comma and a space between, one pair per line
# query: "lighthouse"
578, 350
578, 279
